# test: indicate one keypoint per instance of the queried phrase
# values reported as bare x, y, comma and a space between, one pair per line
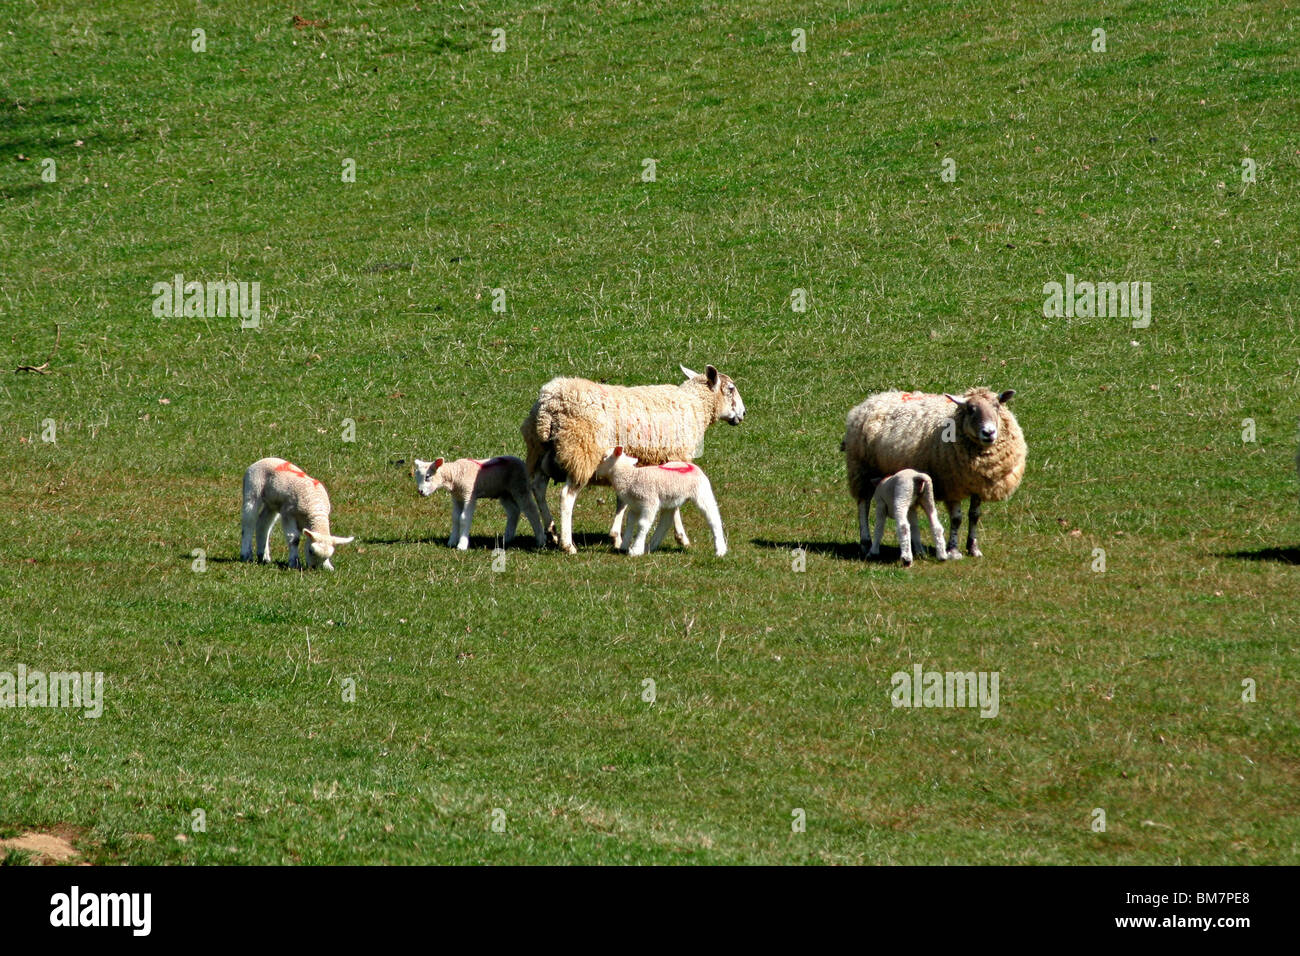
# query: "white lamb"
273, 488
660, 488
469, 479
900, 496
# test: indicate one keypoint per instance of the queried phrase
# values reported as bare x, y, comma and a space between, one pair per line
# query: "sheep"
469, 479
968, 445
660, 488
574, 421
899, 496
274, 488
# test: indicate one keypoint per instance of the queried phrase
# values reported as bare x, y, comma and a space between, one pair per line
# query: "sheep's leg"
679, 531
466, 518
936, 526
954, 513
248, 528
864, 526
529, 507
971, 546
292, 536
708, 504
642, 517
568, 495
616, 529
879, 533
456, 509
539, 482
512, 518
661, 530
262, 534
913, 516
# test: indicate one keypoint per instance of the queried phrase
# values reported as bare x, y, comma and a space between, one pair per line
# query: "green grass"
522, 690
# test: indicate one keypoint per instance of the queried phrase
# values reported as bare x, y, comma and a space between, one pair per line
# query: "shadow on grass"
843, 550
1278, 555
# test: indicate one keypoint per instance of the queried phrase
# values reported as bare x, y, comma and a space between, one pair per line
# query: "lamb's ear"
437, 464
687, 372
711, 376
1007, 396
954, 399
618, 450
309, 533
339, 541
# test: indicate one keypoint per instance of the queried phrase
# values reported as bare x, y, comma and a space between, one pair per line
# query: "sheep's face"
979, 414
320, 548
728, 404
426, 476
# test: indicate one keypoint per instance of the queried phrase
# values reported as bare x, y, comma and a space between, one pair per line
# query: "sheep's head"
979, 414
320, 548
614, 458
427, 480
728, 404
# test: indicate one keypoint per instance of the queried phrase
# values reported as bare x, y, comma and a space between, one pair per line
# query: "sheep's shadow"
521, 541
1277, 555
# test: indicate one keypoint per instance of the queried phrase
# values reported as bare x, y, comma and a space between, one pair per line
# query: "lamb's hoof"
463, 546
570, 549
907, 562
616, 542
976, 553
954, 555
684, 541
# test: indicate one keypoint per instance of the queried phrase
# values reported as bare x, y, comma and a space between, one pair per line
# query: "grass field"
521, 690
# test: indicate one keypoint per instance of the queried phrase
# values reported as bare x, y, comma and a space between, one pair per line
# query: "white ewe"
575, 421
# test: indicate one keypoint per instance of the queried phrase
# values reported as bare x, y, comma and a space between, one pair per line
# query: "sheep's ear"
344, 540
711, 376
437, 464
687, 372
1007, 396
954, 399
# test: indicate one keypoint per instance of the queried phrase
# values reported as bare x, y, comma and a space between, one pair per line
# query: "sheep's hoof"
684, 541
954, 555
907, 562
976, 553
570, 549
616, 542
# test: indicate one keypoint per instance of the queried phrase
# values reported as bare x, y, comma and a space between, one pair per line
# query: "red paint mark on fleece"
489, 462
680, 469
911, 396
296, 471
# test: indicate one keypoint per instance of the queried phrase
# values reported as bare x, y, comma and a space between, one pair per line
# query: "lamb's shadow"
842, 550
523, 542
1277, 555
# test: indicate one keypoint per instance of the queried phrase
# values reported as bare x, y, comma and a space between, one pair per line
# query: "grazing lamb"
468, 480
273, 488
575, 421
660, 488
970, 445
900, 496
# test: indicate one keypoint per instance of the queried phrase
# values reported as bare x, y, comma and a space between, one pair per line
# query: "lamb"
660, 488
575, 421
968, 445
274, 488
468, 480
899, 496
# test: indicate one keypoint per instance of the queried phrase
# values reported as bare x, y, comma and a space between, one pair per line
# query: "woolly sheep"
660, 488
274, 488
968, 445
468, 480
900, 496
575, 421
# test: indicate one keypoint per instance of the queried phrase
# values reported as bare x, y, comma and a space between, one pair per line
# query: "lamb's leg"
248, 527
568, 495
539, 482
904, 536
456, 509
708, 504
918, 549
643, 514
466, 518
864, 528
661, 530
616, 529
512, 518
529, 507
879, 533
936, 526
262, 536
679, 531
971, 546
954, 513
291, 535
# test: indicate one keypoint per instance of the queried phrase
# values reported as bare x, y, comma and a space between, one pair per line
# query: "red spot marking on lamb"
680, 469
489, 462
296, 472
